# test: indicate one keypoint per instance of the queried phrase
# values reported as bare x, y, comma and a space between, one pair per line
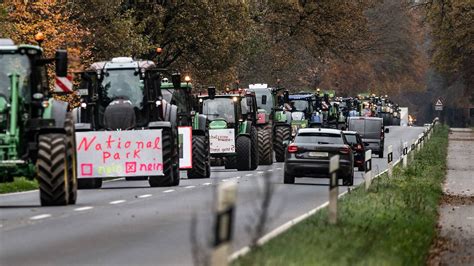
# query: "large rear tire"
53, 169
282, 133
265, 146
230, 162
254, 149
243, 150
169, 160
288, 179
71, 153
200, 158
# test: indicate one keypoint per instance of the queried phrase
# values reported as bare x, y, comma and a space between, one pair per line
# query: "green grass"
19, 184
391, 224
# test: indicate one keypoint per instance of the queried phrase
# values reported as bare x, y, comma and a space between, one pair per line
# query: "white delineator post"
333, 189
405, 157
412, 150
224, 211
418, 143
368, 169
390, 161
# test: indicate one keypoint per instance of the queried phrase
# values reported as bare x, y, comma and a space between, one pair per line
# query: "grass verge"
19, 184
391, 224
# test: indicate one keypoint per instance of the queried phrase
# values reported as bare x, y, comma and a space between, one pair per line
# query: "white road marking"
249, 175
190, 187
41, 216
238, 177
117, 201
144, 196
270, 170
279, 168
260, 172
206, 184
224, 180
470, 218
168, 191
83, 208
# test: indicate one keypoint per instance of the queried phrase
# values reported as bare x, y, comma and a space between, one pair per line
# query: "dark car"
372, 131
355, 141
309, 154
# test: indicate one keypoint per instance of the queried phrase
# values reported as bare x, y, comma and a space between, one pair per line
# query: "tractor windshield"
300, 105
123, 84
260, 99
14, 63
179, 98
218, 109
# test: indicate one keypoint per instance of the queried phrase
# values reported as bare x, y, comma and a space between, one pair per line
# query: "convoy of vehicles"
142, 122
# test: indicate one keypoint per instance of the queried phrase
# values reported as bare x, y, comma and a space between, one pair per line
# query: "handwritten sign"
119, 153
222, 140
185, 147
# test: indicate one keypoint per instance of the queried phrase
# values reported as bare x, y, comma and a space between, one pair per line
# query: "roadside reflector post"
405, 153
223, 224
390, 161
412, 151
333, 189
418, 143
368, 169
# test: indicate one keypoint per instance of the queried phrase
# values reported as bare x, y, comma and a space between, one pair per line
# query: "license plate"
318, 154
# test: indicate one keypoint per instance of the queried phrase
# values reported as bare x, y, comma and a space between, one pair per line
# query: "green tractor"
189, 118
233, 133
124, 126
37, 131
273, 123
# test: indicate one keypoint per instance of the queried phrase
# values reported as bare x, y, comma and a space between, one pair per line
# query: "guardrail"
408, 152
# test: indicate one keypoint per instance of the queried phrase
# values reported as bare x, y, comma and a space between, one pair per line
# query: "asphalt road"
129, 223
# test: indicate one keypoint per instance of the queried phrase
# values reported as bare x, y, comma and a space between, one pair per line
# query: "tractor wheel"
200, 158
53, 169
243, 149
265, 146
281, 134
254, 149
89, 183
176, 176
169, 159
71, 153
230, 162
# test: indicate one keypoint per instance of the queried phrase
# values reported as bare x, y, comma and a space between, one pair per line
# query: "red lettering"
127, 144
119, 142
140, 145
98, 147
149, 144
109, 142
150, 167
85, 143
117, 156
157, 143
128, 154
105, 156
136, 154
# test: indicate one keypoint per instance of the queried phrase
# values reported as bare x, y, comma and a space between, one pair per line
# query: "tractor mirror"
61, 63
176, 79
211, 91
264, 99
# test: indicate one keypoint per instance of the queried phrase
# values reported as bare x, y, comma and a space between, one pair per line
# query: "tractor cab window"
300, 105
179, 98
269, 100
123, 84
219, 109
19, 64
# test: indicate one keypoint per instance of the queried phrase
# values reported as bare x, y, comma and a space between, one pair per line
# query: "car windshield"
300, 105
219, 108
351, 138
123, 84
319, 138
14, 63
177, 97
